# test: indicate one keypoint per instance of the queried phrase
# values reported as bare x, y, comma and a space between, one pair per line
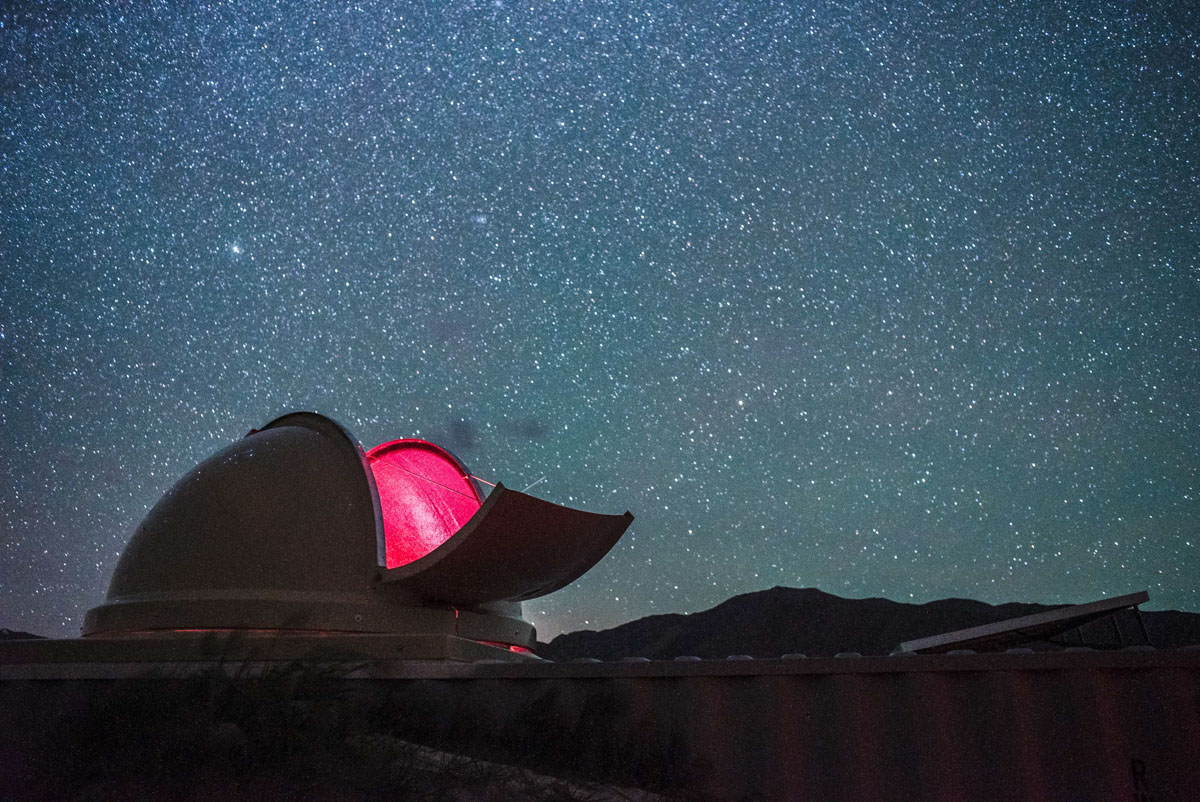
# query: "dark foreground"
291, 733
1009, 726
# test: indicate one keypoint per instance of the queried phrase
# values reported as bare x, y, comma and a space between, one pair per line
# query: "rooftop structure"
1040, 626
294, 529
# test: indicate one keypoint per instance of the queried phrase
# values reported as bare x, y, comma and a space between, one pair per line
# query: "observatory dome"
287, 529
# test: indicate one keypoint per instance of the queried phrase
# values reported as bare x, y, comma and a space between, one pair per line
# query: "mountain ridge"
782, 620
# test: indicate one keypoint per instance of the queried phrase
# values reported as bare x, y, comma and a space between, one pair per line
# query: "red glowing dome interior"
426, 495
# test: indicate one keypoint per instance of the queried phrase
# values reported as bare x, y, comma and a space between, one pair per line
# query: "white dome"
281, 530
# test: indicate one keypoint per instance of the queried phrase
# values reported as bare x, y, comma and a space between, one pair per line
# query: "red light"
512, 647
425, 494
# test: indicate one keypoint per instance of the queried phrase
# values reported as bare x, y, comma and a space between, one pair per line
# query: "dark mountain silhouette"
779, 621
8, 634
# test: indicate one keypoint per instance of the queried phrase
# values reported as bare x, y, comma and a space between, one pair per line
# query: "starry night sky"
896, 301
